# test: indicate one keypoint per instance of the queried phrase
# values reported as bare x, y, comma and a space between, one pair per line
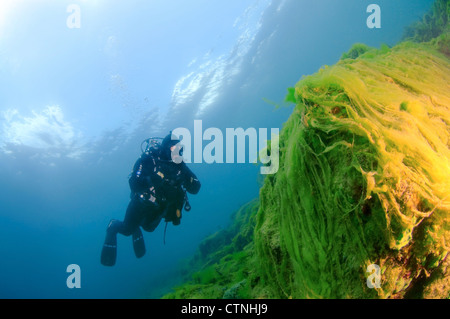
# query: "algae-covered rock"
364, 179
363, 184
434, 23
222, 267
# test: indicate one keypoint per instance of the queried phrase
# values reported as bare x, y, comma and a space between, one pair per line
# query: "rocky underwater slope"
364, 179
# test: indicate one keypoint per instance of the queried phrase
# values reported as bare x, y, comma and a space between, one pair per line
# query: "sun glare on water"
6, 7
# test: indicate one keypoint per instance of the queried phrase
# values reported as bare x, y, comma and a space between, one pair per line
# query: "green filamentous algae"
364, 179
363, 184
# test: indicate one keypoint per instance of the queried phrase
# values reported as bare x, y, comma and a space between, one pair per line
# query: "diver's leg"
109, 250
130, 225
151, 224
132, 218
138, 243
152, 218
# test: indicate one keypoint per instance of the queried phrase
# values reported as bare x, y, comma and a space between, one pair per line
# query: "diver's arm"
190, 181
135, 181
139, 180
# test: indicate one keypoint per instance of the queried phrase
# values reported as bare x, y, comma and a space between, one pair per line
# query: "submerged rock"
364, 180
363, 183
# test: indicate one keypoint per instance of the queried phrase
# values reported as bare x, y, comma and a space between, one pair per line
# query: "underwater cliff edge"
363, 179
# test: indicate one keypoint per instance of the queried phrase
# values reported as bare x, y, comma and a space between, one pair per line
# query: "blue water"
75, 104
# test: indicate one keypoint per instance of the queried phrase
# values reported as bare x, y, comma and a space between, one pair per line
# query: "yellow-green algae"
364, 179
222, 266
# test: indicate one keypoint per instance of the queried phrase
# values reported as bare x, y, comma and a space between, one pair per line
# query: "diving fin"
138, 243
109, 250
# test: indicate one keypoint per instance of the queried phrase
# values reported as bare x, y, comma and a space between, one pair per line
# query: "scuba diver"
159, 182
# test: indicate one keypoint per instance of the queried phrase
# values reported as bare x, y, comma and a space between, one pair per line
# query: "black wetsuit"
157, 191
